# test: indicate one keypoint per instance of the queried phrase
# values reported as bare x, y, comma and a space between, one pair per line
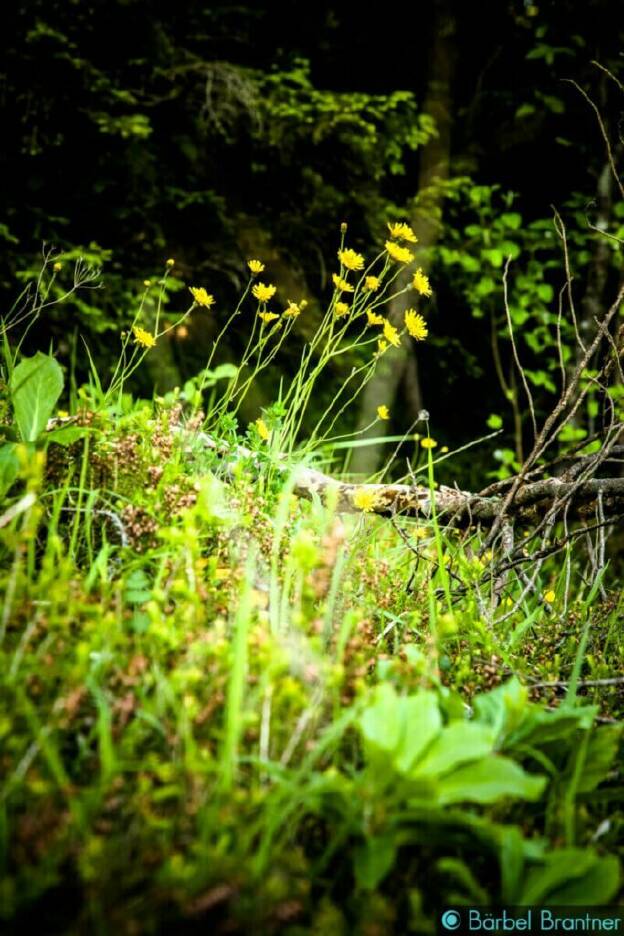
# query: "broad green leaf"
460, 743
541, 726
374, 859
402, 727
421, 723
504, 707
379, 722
36, 385
597, 887
489, 780
558, 869
601, 752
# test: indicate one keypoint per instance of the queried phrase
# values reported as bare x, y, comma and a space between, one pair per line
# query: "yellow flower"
57, 267
147, 282
341, 284
549, 596
444, 449
143, 337
372, 283
293, 310
400, 254
383, 412
416, 325
170, 262
351, 260
62, 414
381, 346
256, 266
263, 293
263, 430
391, 334
402, 231
364, 500
428, 443
268, 317
341, 309
373, 319
421, 283
201, 297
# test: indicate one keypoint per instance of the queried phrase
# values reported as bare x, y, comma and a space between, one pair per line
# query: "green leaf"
224, 372
511, 219
512, 858
601, 752
504, 707
401, 727
571, 876
137, 588
460, 743
9, 466
139, 622
597, 887
541, 726
489, 780
545, 292
67, 434
373, 860
458, 870
213, 504
36, 385
494, 255
421, 722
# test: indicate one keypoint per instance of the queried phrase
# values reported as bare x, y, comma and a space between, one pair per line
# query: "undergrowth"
228, 708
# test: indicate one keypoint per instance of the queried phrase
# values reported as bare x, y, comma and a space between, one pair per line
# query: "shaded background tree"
136, 131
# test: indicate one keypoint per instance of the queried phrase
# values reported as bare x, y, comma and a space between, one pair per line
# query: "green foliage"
377, 131
225, 702
36, 385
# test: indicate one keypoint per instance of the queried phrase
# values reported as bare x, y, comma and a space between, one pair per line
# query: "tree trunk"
401, 363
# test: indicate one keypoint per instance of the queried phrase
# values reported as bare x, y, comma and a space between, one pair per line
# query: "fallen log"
451, 505
579, 495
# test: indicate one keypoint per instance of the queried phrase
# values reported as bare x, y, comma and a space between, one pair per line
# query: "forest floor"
226, 707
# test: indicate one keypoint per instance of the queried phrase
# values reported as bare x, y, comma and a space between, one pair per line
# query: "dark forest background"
135, 131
